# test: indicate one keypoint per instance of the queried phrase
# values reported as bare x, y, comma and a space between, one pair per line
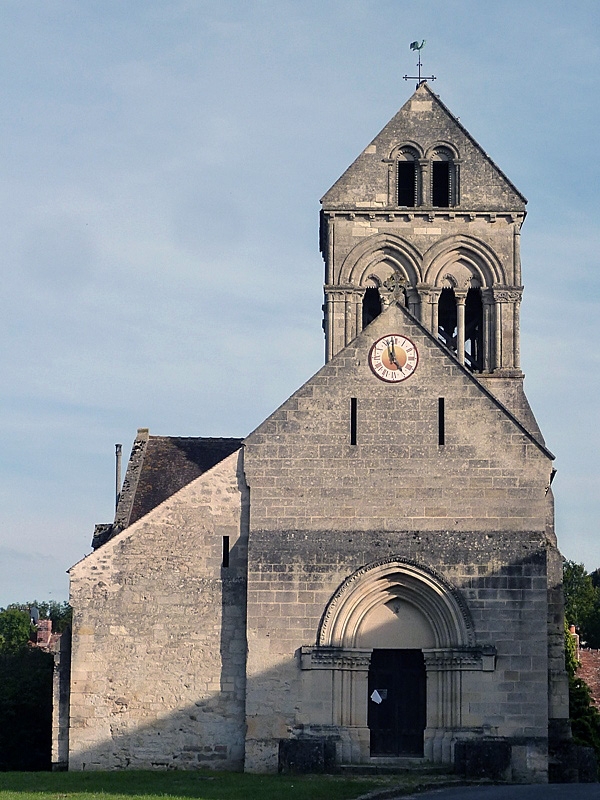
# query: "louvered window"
407, 183
443, 179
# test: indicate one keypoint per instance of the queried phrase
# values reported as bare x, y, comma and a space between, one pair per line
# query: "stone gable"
426, 122
304, 474
159, 635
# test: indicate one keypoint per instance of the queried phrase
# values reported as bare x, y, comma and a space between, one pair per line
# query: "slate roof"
159, 466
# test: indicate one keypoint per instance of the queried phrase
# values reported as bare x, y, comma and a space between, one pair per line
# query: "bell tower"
425, 218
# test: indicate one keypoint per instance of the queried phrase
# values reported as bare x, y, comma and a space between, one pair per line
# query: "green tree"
25, 709
26, 687
15, 630
60, 613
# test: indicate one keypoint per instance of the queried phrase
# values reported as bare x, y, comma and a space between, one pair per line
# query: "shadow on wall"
211, 732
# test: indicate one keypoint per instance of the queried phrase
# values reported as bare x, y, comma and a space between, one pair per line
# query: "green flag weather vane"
418, 47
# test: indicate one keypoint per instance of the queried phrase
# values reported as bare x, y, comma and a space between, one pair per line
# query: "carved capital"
506, 295
482, 659
339, 291
315, 657
487, 297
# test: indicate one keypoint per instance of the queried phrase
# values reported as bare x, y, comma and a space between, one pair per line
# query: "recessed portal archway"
443, 615
396, 617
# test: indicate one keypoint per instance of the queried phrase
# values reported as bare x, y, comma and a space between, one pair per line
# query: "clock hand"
392, 354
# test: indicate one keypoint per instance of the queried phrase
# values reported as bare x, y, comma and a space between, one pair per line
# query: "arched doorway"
398, 633
398, 622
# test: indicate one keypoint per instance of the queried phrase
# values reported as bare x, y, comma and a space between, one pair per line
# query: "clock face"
393, 358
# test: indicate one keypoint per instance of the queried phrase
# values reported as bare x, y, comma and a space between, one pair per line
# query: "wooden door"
397, 698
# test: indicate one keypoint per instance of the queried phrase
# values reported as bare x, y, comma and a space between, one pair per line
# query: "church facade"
372, 574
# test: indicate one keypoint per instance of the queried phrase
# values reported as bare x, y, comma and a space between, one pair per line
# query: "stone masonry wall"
425, 120
474, 508
158, 665
305, 475
293, 575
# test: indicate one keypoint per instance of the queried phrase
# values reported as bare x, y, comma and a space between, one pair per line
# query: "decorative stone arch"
384, 581
363, 258
340, 660
407, 147
468, 269
366, 271
442, 146
467, 253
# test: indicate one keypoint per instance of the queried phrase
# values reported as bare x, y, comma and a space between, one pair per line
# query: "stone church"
372, 574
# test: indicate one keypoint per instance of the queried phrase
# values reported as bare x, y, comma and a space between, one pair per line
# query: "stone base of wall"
297, 756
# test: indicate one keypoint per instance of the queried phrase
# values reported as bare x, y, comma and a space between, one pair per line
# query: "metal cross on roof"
418, 47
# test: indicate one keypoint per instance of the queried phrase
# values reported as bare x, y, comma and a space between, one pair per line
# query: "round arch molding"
466, 254
363, 259
393, 578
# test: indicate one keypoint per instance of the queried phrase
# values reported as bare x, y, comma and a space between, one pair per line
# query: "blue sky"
161, 168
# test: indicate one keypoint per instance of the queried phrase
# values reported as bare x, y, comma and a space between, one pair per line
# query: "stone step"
396, 766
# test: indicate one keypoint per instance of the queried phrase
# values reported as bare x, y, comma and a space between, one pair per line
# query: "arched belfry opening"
371, 305
474, 330
447, 319
407, 178
460, 325
443, 179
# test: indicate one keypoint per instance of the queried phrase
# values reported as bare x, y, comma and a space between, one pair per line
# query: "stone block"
483, 758
301, 756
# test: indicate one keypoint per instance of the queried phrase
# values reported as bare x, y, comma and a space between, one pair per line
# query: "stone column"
328, 326
336, 319
445, 677
349, 669
426, 298
517, 332
414, 302
507, 302
349, 317
358, 324
392, 195
498, 355
455, 195
423, 184
435, 308
517, 254
487, 301
329, 279
461, 297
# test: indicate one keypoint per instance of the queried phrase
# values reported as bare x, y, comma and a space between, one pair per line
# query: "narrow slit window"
225, 562
353, 407
441, 421
407, 183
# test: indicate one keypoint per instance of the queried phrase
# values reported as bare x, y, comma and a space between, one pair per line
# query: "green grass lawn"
203, 785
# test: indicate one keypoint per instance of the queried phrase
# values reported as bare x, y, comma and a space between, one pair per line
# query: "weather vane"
418, 47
